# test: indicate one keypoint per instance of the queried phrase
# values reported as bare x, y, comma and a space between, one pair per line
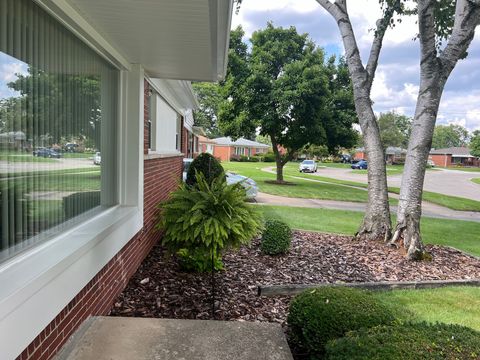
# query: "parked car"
307, 166
97, 159
249, 184
362, 164
345, 158
430, 163
47, 153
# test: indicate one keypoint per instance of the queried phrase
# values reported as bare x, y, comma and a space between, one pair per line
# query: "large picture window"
58, 101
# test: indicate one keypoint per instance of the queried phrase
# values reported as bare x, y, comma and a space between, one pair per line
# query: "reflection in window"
57, 115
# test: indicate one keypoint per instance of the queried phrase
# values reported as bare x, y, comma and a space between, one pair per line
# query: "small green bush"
276, 237
207, 165
318, 316
269, 157
197, 220
409, 341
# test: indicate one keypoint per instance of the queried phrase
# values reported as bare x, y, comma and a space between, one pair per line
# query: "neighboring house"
206, 145
453, 156
14, 140
225, 148
68, 255
393, 154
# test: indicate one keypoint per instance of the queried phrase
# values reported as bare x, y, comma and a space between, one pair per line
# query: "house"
13, 140
71, 241
206, 145
225, 148
453, 156
393, 155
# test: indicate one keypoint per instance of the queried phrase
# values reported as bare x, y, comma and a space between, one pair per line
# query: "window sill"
160, 155
39, 283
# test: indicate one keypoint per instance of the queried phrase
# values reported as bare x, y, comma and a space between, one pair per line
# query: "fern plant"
207, 218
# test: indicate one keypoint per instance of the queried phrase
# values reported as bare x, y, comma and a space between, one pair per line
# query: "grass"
462, 235
451, 202
452, 305
25, 158
301, 189
291, 169
467, 169
476, 180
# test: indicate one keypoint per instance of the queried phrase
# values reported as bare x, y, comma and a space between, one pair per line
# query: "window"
239, 151
165, 126
58, 101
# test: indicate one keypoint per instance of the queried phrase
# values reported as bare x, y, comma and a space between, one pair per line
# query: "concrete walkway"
116, 338
428, 209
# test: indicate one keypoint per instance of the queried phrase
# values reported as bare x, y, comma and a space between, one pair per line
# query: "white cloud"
397, 78
8, 71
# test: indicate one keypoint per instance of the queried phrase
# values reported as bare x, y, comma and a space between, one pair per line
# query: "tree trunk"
376, 223
434, 73
278, 159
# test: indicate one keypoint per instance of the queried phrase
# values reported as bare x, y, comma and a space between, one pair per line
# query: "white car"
308, 166
97, 159
430, 163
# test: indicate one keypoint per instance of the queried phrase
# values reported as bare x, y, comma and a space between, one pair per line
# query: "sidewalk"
428, 209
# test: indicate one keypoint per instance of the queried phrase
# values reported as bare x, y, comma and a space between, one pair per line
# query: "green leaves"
207, 217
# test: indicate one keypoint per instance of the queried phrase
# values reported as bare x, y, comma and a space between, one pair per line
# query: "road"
58, 164
443, 181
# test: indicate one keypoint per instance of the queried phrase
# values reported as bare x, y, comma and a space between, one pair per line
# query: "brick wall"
441, 160
223, 152
161, 176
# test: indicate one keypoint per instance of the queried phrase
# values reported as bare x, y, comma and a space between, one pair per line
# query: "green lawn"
301, 189
78, 155
327, 192
459, 234
467, 169
25, 158
476, 180
453, 305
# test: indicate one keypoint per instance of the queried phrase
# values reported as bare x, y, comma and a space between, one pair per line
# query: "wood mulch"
160, 289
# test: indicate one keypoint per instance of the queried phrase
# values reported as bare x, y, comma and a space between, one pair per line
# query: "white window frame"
38, 283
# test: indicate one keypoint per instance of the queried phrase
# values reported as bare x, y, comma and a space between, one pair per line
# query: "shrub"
207, 165
197, 220
269, 157
408, 341
318, 316
276, 237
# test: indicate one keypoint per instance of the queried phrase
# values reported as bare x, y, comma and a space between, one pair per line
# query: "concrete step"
116, 338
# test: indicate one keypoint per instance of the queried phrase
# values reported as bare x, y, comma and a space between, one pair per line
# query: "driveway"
443, 181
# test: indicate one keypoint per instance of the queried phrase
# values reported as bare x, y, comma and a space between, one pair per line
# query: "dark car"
362, 164
47, 153
345, 158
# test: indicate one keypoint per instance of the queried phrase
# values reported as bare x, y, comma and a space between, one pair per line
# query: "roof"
392, 150
172, 39
227, 141
205, 140
454, 151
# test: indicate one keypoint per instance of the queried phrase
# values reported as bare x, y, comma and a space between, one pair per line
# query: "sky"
396, 82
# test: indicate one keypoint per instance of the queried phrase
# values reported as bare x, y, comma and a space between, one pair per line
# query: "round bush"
276, 237
206, 164
318, 316
409, 342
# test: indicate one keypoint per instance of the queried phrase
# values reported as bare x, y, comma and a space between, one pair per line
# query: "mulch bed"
160, 289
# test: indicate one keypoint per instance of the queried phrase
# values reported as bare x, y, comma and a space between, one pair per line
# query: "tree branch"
467, 18
382, 26
426, 28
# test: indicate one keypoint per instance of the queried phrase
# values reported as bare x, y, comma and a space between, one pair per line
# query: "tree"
288, 96
206, 116
436, 24
445, 136
475, 143
394, 129
376, 222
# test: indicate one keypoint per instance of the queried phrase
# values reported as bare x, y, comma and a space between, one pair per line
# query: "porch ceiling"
174, 39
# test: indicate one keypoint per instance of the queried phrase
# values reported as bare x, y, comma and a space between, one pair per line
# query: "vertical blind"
58, 101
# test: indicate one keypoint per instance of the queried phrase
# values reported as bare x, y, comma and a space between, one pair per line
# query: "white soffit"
173, 39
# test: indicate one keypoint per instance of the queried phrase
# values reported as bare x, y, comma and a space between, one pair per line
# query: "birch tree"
376, 223
436, 64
